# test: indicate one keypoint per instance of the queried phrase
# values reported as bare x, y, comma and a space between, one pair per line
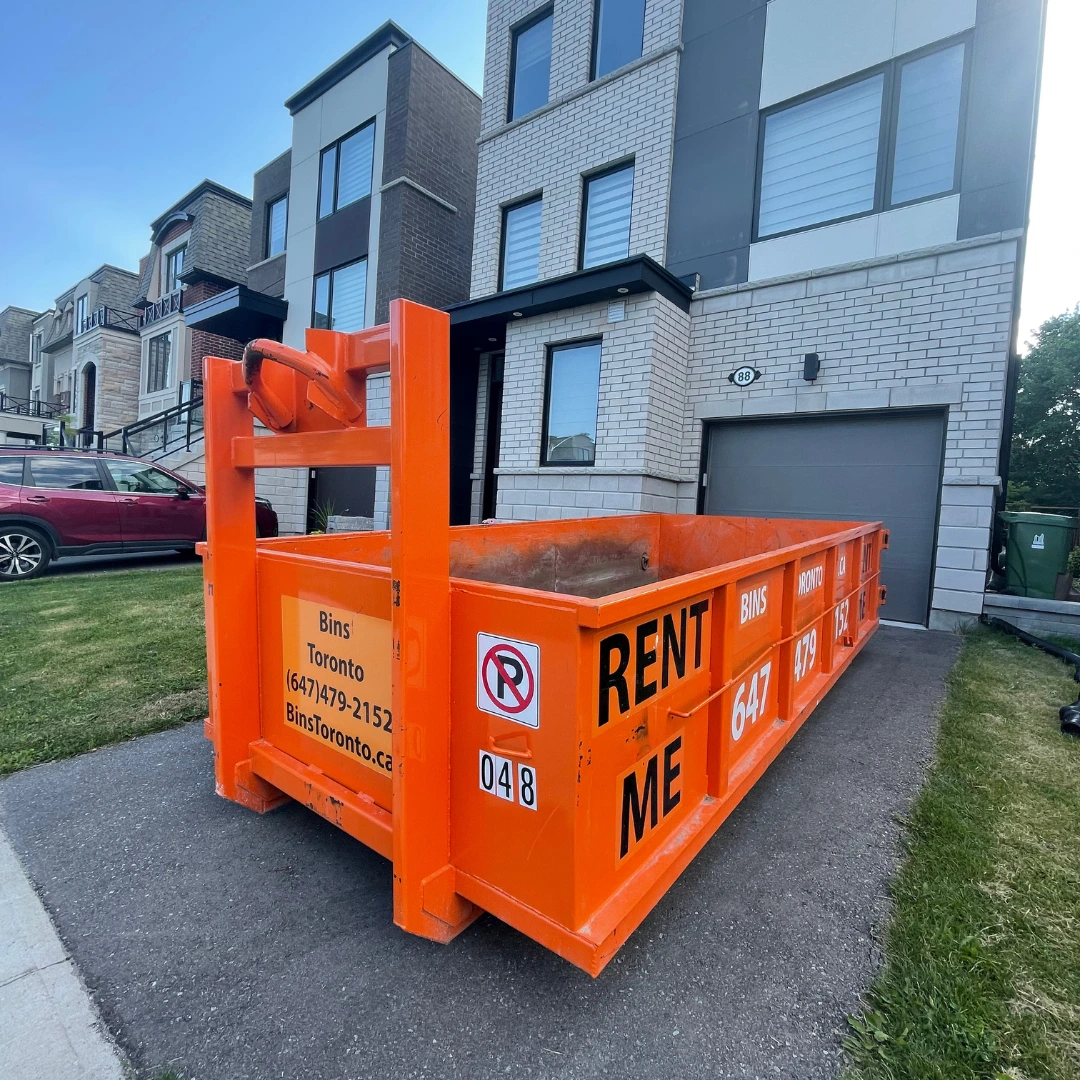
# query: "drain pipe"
1070, 714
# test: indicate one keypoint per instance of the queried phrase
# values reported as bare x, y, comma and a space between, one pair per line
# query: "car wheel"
24, 553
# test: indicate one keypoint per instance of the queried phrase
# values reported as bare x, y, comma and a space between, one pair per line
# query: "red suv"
57, 502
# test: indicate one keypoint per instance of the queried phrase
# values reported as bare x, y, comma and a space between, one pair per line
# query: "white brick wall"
585, 127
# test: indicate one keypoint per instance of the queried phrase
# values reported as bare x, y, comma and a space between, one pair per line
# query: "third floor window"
530, 65
618, 34
345, 170
883, 140
277, 215
81, 311
174, 267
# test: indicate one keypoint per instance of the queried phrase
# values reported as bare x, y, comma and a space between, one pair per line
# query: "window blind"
927, 125
532, 68
607, 220
348, 297
521, 245
820, 158
354, 166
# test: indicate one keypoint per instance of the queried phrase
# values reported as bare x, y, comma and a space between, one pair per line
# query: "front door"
155, 507
89, 399
492, 438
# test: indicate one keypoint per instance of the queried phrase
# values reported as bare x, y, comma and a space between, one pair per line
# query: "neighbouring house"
752, 259
373, 201
20, 413
84, 354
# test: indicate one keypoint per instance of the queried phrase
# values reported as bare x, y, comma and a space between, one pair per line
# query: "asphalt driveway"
242, 948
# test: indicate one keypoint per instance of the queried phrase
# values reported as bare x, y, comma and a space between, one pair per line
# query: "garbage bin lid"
1060, 520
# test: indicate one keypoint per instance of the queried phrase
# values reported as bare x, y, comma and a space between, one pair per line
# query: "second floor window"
521, 244
530, 65
81, 306
174, 267
345, 170
884, 140
277, 214
618, 34
340, 298
158, 356
570, 404
606, 216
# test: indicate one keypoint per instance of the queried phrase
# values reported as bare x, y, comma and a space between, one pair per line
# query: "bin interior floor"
586, 557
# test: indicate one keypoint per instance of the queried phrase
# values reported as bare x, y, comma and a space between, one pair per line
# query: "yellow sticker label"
336, 665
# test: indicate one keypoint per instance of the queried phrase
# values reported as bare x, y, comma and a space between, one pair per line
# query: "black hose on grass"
1070, 714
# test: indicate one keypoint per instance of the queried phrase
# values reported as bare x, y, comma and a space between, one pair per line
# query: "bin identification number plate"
497, 776
336, 667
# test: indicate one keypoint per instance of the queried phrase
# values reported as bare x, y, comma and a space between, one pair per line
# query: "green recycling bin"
1037, 550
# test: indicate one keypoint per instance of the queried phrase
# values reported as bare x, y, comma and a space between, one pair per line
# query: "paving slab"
49, 1029
245, 947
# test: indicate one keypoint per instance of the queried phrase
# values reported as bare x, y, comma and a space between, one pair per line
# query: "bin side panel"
325, 668
514, 746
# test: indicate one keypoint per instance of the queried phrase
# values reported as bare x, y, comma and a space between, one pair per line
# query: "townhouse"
752, 257
372, 201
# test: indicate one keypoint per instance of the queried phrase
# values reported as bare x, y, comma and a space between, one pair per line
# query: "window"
927, 125
80, 313
345, 170
573, 391
618, 34
824, 159
606, 217
521, 244
530, 65
142, 479
158, 355
340, 298
11, 471
277, 216
72, 473
174, 267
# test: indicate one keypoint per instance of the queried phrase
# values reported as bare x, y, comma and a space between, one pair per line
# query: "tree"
1044, 464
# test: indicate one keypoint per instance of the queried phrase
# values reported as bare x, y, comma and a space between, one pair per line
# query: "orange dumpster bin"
547, 720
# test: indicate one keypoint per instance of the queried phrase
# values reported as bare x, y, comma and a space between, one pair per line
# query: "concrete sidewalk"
239, 947
49, 1029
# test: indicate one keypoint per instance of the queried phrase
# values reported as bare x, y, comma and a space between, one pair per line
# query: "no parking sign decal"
508, 679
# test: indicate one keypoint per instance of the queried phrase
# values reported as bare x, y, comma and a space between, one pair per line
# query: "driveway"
239, 947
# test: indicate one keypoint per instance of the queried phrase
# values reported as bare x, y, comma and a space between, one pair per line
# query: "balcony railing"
109, 319
169, 304
27, 407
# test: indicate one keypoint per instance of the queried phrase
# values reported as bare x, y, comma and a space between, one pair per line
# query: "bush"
1074, 562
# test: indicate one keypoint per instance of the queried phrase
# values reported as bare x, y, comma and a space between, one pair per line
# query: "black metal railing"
169, 304
109, 319
28, 407
172, 429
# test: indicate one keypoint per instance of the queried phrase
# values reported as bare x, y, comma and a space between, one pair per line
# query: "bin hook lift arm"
326, 390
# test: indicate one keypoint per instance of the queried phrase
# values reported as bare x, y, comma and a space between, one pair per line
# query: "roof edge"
387, 34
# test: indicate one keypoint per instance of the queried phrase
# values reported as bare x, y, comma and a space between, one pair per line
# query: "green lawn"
91, 659
982, 970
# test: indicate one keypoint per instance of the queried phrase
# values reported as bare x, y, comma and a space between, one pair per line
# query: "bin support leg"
425, 899
230, 595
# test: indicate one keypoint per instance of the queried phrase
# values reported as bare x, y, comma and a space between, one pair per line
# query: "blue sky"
116, 109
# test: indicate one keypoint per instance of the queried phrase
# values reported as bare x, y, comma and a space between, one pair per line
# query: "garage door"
883, 467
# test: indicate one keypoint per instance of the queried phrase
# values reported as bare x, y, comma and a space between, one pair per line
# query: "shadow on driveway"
241, 947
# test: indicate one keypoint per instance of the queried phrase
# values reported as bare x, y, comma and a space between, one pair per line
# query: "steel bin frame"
668, 659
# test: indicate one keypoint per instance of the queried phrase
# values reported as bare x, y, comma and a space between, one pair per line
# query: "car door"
70, 493
155, 507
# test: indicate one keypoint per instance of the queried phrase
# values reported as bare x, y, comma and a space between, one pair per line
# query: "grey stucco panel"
999, 137
716, 133
270, 183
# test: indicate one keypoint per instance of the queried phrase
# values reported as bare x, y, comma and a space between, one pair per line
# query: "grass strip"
97, 658
982, 962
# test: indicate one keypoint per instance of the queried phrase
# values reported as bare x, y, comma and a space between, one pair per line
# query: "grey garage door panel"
881, 467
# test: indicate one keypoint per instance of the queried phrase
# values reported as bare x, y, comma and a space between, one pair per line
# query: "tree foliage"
1044, 467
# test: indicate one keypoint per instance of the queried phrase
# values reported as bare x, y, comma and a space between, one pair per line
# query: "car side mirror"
183, 493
